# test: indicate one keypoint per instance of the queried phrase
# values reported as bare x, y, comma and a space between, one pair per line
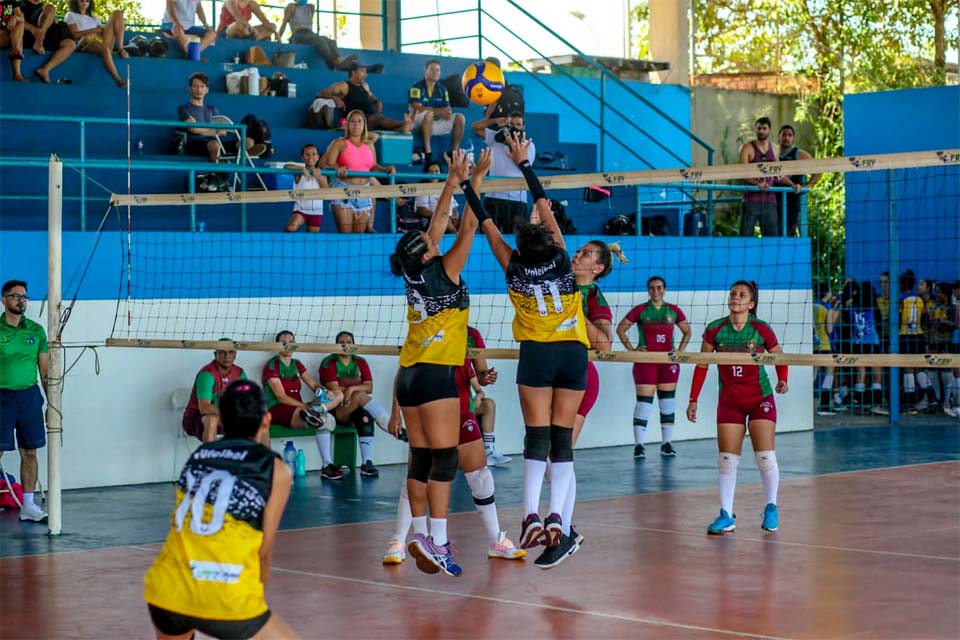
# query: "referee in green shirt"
23, 351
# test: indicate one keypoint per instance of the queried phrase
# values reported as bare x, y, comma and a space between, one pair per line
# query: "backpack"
280, 85
511, 100
454, 85
621, 225
259, 131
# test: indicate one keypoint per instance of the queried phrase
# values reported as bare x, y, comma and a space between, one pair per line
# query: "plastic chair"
178, 402
235, 156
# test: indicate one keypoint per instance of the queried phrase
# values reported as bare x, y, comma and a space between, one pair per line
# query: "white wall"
119, 427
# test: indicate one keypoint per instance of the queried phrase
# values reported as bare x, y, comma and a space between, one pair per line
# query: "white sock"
489, 443
948, 386
769, 474
561, 473
482, 489
642, 411
419, 525
666, 432
366, 448
28, 497
323, 439
438, 531
533, 471
404, 516
909, 383
727, 464
923, 380
380, 415
567, 513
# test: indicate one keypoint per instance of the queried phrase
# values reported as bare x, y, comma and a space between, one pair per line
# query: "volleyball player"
745, 401
657, 320
211, 574
552, 371
437, 312
913, 342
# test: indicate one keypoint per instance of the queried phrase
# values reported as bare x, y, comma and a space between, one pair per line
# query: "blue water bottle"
301, 463
290, 456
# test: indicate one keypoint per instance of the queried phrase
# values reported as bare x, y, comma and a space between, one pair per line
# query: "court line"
530, 605
805, 545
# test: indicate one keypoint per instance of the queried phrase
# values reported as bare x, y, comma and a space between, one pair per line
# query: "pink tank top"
356, 158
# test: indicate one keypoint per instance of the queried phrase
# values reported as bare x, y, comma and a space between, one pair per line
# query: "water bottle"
139, 146
201, 226
290, 456
301, 463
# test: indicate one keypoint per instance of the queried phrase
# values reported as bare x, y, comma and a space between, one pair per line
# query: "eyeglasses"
18, 296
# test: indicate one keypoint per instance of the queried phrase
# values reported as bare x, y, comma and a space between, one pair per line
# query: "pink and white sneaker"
504, 548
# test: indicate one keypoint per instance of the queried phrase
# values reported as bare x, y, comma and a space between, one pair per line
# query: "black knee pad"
363, 422
445, 463
536, 443
418, 468
645, 399
663, 395
561, 444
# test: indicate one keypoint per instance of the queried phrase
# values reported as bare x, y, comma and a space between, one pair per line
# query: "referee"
23, 350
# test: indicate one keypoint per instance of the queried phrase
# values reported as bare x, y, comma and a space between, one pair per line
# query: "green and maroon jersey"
655, 326
355, 372
289, 376
211, 381
755, 337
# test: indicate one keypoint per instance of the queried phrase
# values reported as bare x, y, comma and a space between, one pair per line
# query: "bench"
344, 441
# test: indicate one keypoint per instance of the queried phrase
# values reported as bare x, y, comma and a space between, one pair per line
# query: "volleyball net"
887, 213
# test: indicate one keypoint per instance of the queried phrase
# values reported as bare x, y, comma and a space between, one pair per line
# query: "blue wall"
927, 200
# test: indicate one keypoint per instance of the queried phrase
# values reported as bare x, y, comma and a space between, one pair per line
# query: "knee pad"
643, 410
766, 460
923, 380
668, 406
481, 486
444, 467
909, 384
363, 422
418, 468
727, 463
536, 443
561, 444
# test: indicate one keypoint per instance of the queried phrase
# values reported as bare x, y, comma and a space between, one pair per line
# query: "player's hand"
797, 188
782, 387
692, 412
519, 147
478, 397
488, 377
458, 170
482, 165
640, 347
395, 426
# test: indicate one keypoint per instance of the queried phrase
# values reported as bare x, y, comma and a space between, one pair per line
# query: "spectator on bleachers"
92, 36
202, 141
507, 208
354, 94
235, 21
426, 204
11, 36
299, 15
42, 32
308, 177
761, 206
201, 418
789, 151
429, 103
179, 23
353, 152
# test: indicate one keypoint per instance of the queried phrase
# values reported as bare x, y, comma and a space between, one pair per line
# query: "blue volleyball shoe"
723, 524
442, 557
771, 518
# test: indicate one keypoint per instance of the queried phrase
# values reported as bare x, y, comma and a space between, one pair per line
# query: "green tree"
130, 8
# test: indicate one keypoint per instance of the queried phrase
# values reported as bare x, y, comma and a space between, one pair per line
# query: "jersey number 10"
198, 488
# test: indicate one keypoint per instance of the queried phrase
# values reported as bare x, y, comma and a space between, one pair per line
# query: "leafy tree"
130, 8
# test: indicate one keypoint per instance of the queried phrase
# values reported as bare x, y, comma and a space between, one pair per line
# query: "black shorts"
197, 145
913, 345
561, 365
422, 383
175, 624
506, 213
859, 349
56, 34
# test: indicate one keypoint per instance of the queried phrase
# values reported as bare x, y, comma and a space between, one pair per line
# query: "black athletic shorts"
913, 345
422, 383
561, 365
175, 624
863, 349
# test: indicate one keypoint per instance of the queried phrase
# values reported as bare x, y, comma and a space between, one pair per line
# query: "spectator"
11, 35
788, 151
429, 103
353, 152
179, 23
913, 342
351, 375
824, 319
283, 376
761, 206
203, 141
201, 418
426, 204
299, 15
93, 37
43, 33
354, 94
23, 352
235, 21
507, 208
862, 310
883, 306
483, 407
308, 177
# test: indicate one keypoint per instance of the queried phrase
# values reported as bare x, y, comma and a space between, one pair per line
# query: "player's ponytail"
408, 257
605, 253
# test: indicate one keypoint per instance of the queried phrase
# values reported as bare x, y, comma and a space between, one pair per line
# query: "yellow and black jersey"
209, 566
911, 315
821, 337
546, 301
438, 311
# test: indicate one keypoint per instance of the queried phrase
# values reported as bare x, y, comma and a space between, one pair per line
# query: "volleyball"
483, 82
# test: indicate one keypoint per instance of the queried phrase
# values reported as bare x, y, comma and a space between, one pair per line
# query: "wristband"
699, 377
536, 189
781, 372
473, 201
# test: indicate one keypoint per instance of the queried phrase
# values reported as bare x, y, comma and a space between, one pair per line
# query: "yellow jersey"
209, 566
438, 311
821, 339
546, 301
911, 315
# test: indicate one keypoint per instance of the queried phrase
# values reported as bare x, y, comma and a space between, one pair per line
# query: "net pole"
54, 385
892, 301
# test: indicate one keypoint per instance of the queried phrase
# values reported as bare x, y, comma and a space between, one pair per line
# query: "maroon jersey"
595, 307
220, 382
655, 326
743, 381
289, 376
462, 377
355, 372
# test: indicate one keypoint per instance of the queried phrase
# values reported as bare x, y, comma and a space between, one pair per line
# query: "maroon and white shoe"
531, 531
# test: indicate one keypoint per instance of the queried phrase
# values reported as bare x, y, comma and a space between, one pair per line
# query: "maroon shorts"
652, 373
312, 220
740, 411
469, 429
282, 414
193, 424
592, 391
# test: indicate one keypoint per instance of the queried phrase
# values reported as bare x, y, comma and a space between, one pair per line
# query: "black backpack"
280, 85
621, 225
511, 100
454, 85
260, 133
